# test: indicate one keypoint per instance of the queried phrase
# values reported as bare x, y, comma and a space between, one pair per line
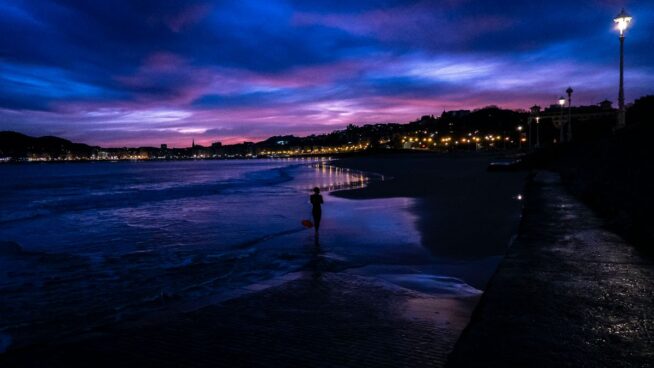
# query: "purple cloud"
146, 73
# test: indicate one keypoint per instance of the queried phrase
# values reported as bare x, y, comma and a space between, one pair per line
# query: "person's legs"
316, 219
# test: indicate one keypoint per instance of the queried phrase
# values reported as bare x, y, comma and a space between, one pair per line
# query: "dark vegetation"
14, 144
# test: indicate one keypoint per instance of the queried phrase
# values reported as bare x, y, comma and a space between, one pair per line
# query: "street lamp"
561, 103
537, 131
622, 21
569, 92
530, 133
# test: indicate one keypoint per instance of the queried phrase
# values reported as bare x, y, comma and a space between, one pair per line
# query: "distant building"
606, 105
559, 115
586, 122
216, 148
249, 148
535, 110
164, 147
143, 153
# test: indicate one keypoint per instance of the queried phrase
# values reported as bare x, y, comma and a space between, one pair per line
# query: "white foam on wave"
432, 284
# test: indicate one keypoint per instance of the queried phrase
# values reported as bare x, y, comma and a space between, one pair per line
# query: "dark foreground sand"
327, 315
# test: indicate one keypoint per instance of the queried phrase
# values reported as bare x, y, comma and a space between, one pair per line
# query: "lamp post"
537, 131
530, 135
622, 21
569, 92
519, 128
561, 103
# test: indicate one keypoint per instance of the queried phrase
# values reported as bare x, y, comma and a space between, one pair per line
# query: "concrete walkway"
568, 294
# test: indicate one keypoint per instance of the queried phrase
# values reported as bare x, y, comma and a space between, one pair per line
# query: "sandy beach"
354, 302
473, 224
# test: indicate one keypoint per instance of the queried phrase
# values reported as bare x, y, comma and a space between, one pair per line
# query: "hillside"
13, 144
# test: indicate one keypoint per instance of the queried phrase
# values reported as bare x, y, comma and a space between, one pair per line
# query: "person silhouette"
316, 211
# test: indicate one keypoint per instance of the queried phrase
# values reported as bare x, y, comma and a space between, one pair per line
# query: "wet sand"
463, 209
331, 320
334, 312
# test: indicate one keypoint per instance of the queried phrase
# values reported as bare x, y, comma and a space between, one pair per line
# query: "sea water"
93, 244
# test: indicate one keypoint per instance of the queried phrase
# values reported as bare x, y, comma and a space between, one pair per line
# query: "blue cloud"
283, 58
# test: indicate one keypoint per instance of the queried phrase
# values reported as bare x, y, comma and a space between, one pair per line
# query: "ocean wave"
10, 216
121, 197
432, 284
261, 239
5, 342
10, 248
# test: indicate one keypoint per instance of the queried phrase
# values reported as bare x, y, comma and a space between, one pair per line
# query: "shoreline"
391, 312
438, 181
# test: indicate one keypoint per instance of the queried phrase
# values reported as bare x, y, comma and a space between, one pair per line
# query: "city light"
622, 21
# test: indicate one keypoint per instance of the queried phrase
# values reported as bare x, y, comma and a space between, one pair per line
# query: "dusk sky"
133, 73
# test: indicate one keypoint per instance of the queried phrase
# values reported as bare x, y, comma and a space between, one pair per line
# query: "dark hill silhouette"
15, 144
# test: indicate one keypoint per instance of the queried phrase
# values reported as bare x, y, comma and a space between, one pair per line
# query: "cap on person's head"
316, 190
